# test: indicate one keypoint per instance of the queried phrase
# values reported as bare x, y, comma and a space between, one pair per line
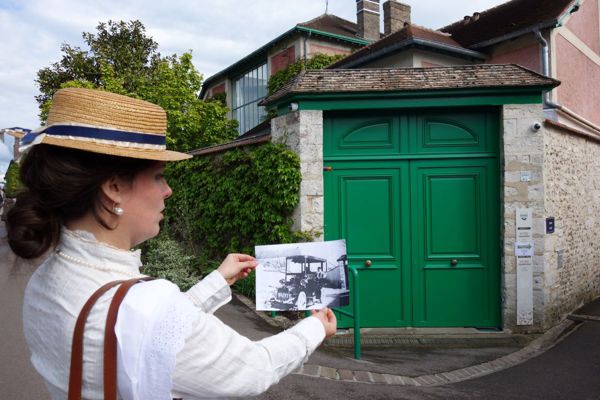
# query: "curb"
536, 347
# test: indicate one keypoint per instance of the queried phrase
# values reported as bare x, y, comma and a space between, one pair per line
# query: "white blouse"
169, 343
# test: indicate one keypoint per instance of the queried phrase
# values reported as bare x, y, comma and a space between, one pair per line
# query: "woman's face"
143, 204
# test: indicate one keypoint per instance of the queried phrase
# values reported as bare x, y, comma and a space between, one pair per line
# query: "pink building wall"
580, 81
584, 23
575, 68
528, 57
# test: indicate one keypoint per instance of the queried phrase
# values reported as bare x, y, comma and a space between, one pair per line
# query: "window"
248, 90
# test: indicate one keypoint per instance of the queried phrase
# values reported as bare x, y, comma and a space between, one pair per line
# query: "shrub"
164, 258
233, 201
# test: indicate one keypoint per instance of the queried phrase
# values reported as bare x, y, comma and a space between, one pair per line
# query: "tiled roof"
412, 79
327, 23
407, 36
332, 24
513, 16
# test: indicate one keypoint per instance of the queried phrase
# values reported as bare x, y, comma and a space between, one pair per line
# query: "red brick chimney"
367, 18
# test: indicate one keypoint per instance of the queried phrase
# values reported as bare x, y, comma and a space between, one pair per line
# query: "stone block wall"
302, 132
522, 152
565, 184
572, 197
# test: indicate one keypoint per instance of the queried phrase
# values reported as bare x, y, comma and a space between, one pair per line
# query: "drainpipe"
545, 69
305, 40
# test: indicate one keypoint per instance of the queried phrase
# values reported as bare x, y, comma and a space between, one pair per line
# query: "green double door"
416, 196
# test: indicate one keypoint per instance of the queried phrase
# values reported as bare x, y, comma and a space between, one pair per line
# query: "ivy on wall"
233, 201
318, 61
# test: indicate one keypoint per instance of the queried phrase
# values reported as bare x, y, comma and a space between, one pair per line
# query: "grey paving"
18, 379
430, 360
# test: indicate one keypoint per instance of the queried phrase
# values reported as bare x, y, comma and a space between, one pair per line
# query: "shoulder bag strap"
110, 339
76, 372
75, 375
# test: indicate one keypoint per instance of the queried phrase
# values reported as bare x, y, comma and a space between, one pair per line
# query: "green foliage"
238, 199
247, 286
13, 182
234, 201
122, 59
220, 97
165, 258
318, 61
121, 45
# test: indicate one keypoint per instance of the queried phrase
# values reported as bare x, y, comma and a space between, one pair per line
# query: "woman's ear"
114, 189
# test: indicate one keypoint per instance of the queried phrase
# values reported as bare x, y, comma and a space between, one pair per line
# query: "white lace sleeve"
153, 322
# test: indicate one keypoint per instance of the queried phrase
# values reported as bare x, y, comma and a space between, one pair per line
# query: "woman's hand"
328, 319
236, 266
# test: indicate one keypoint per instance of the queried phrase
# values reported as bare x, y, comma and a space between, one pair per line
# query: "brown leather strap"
76, 372
110, 339
75, 375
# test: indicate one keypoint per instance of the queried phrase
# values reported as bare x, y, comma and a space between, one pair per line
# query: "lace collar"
82, 248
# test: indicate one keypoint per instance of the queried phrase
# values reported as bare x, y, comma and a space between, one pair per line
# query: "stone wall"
572, 197
302, 132
523, 152
565, 184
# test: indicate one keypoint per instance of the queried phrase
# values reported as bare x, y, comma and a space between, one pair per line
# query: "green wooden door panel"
455, 212
449, 297
410, 192
367, 208
451, 131
369, 233
357, 134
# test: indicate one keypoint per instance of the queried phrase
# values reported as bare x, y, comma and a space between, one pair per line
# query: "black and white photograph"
302, 276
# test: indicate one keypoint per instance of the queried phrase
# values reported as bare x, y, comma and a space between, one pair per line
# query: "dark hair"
60, 184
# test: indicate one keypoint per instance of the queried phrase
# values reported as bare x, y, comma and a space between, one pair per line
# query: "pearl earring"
118, 210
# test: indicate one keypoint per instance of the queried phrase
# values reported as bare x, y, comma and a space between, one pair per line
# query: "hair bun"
30, 229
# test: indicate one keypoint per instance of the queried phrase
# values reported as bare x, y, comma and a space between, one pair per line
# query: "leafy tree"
13, 182
122, 59
121, 46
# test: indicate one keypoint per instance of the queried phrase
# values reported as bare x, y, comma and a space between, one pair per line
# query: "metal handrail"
356, 313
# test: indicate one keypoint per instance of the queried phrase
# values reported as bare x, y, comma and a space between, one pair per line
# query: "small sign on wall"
524, 224
550, 225
524, 251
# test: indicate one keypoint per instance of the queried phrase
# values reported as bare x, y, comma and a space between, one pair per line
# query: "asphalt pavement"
18, 379
564, 363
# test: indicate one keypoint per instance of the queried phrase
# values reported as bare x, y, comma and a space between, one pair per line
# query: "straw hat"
104, 122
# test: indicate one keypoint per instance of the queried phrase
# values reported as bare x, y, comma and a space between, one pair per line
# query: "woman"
95, 189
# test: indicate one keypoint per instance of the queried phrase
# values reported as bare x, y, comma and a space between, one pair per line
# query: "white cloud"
218, 32
5, 154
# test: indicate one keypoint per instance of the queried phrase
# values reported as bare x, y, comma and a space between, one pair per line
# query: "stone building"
460, 164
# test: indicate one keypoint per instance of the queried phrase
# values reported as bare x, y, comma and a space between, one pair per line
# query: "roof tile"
411, 79
332, 24
410, 31
506, 18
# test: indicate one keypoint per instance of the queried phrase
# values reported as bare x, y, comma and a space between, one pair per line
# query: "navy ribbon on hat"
95, 133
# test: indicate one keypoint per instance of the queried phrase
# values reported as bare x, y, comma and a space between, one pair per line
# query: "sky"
217, 32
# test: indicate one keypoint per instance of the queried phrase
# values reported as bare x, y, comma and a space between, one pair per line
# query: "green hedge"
233, 201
